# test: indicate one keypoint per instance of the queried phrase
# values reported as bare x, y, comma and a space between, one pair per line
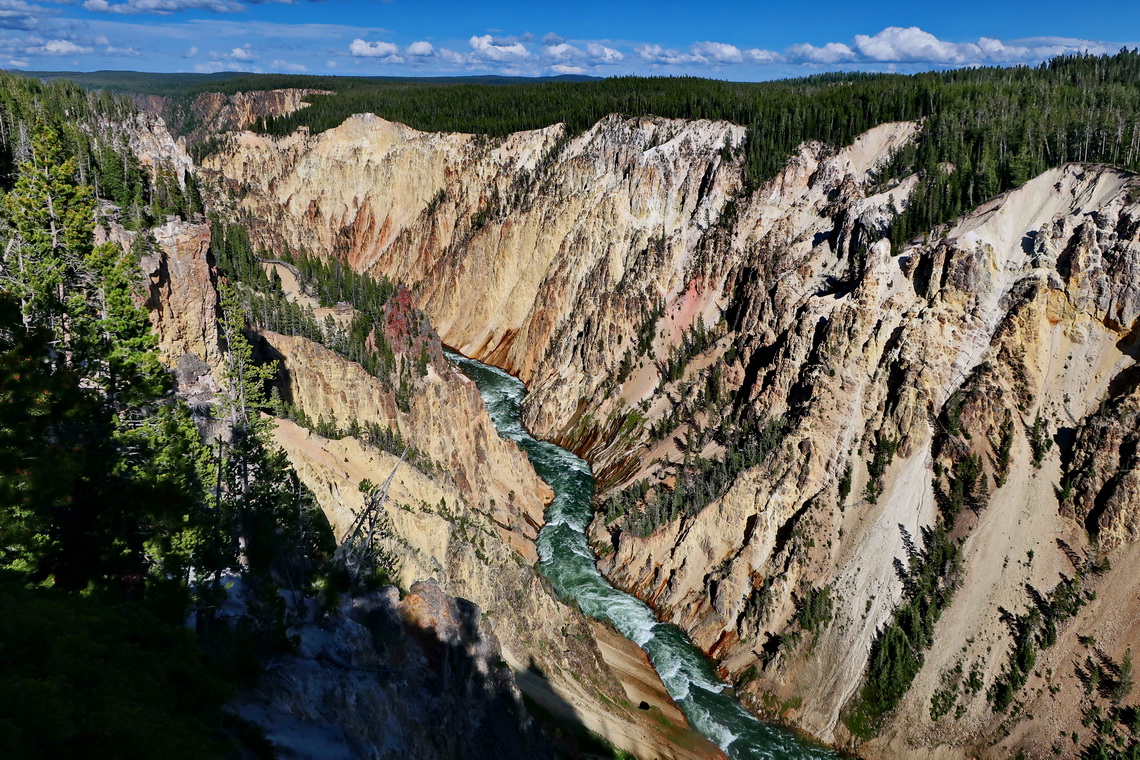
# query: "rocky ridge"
465, 514
1009, 336
417, 677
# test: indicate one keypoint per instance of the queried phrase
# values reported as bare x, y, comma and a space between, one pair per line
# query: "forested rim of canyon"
120, 517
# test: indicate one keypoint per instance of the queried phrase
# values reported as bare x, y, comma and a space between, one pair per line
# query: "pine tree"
52, 218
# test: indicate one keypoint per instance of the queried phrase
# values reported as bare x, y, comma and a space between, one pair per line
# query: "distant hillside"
998, 126
228, 82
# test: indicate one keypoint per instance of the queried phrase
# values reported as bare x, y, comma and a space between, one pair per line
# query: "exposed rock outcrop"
582, 264
418, 677
537, 253
183, 303
446, 420
465, 512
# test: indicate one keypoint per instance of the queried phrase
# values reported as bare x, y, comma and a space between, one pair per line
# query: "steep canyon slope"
973, 391
463, 509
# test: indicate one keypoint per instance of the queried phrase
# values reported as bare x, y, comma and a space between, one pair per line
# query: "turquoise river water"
566, 559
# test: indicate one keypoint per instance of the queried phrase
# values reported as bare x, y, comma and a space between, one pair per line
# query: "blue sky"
727, 40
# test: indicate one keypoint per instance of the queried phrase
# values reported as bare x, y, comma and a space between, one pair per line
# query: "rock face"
586, 264
151, 141
985, 318
212, 113
448, 524
1103, 474
215, 113
465, 512
536, 253
446, 421
419, 677
183, 301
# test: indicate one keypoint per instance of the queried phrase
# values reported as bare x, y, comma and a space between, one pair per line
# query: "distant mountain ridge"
159, 83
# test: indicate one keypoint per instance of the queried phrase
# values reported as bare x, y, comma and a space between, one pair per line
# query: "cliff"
417, 677
843, 382
537, 253
462, 512
210, 114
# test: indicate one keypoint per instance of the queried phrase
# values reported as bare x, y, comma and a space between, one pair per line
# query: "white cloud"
127, 52
718, 51
17, 63
756, 55
561, 68
60, 47
420, 49
193, 51
832, 52
330, 64
667, 56
102, 40
162, 7
279, 65
385, 50
243, 53
602, 54
451, 56
550, 38
562, 50
911, 44
492, 49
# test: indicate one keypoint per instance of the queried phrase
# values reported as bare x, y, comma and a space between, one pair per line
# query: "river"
566, 559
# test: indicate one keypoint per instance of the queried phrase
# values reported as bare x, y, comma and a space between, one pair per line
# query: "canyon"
588, 265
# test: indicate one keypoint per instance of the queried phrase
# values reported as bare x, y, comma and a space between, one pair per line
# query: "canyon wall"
1008, 339
463, 511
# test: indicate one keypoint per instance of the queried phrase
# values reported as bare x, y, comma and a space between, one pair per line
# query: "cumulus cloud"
666, 56
162, 7
452, 57
193, 51
386, 52
832, 52
492, 49
602, 54
17, 63
279, 65
700, 53
59, 47
561, 68
420, 49
756, 55
550, 38
718, 51
243, 53
562, 50
897, 44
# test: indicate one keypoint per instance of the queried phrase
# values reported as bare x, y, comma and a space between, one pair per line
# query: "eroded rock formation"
583, 263
463, 513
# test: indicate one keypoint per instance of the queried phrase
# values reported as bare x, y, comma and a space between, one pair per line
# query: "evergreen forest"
122, 526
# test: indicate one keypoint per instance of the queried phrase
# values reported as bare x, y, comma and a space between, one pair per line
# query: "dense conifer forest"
120, 522
997, 126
